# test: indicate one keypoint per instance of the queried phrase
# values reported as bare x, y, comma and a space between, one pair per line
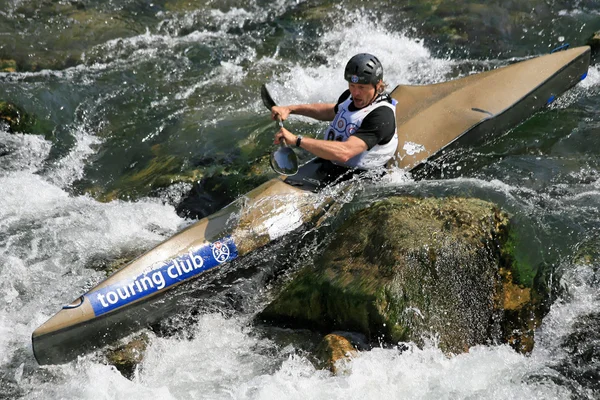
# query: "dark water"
141, 102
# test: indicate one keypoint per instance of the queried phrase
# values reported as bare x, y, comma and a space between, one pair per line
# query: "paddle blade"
284, 161
266, 97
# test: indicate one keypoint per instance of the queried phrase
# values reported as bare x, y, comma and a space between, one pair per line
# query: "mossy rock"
110, 265
582, 352
489, 28
208, 185
160, 172
4, 150
594, 43
128, 356
224, 183
183, 6
8, 66
71, 29
20, 121
406, 268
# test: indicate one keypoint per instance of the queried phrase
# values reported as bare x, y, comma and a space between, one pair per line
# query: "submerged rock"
594, 43
406, 268
333, 351
110, 265
203, 186
18, 120
128, 356
579, 357
582, 347
486, 28
70, 29
8, 66
160, 172
4, 151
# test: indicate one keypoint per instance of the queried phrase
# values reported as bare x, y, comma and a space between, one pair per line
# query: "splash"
71, 167
20, 152
405, 60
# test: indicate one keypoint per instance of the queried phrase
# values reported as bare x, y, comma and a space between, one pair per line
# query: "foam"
404, 60
47, 236
25, 152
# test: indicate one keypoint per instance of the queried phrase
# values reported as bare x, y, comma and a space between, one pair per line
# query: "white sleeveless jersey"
347, 122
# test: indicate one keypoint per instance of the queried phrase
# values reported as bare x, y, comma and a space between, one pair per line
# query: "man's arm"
327, 149
320, 111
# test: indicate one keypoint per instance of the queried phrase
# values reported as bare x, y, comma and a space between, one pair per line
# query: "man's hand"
280, 113
284, 134
320, 111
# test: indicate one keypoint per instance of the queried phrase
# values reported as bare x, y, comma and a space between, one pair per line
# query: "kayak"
433, 121
132, 297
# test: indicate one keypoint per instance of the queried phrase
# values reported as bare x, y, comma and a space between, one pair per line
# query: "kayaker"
362, 134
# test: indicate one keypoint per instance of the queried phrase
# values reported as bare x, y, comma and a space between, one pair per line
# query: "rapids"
179, 83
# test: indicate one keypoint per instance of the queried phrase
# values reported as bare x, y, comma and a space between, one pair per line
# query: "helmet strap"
378, 91
374, 97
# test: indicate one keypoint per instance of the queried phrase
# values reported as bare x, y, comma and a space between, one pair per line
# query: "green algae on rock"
18, 120
128, 356
416, 267
8, 66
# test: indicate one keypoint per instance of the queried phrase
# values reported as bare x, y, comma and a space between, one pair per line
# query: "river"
129, 92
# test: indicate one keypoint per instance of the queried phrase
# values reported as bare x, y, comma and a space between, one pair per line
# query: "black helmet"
364, 68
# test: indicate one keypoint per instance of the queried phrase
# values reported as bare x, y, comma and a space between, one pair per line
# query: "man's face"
361, 94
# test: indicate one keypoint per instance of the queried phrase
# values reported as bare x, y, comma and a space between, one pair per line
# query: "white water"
47, 236
405, 61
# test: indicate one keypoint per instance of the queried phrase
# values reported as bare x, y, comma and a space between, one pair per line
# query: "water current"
174, 86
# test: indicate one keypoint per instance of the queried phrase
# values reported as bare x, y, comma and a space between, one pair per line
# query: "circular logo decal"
354, 79
220, 252
351, 129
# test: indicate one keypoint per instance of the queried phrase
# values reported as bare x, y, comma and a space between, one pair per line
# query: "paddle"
283, 161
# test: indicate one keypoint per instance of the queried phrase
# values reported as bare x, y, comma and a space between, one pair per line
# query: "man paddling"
362, 134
